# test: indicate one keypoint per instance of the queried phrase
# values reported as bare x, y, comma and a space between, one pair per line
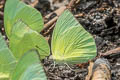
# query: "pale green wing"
23, 39
35, 72
72, 44
15, 10
3, 44
75, 46
9, 13
7, 60
29, 68
64, 22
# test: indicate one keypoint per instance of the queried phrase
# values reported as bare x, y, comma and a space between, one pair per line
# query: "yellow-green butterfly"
16, 10
71, 43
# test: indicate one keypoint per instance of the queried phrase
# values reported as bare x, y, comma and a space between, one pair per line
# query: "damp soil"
101, 18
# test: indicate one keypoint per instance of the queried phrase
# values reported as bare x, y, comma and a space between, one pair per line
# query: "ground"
99, 17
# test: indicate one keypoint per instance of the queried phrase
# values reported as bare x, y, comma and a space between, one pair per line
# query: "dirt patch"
101, 18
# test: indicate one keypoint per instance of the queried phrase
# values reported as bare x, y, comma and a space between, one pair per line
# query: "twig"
79, 15
34, 3
1, 6
51, 24
70, 5
57, 12
52, 21
90, 69
49, 30
113, 51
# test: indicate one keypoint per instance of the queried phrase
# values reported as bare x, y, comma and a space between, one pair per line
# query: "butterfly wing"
24, 38
71, 42
16, 10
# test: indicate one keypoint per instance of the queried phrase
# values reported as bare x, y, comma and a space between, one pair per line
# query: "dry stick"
49, 30
90, 69
70, 5
113, 51
52, 21
51, 24
1, 6
79, 15
34, 3
58, 12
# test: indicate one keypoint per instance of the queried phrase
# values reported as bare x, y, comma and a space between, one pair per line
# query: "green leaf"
15, 10
23, 39
71, 43
29, 68
7, 60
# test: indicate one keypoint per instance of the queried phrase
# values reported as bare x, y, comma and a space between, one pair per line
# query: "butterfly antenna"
68, 66
53, 64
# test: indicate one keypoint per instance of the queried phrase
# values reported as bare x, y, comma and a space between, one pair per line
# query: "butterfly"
71, 43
